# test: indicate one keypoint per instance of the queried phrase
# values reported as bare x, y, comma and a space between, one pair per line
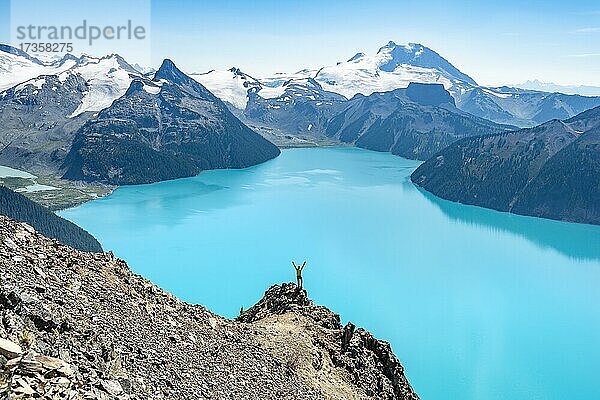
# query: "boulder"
10, 349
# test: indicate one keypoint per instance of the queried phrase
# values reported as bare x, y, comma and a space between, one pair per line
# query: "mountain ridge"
550, 171
171, 127
84, 325
395, 66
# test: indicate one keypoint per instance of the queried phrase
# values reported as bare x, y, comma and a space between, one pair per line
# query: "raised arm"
303, 264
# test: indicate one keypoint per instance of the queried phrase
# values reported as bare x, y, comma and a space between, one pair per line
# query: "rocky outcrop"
82, 326
359, 357
429, 94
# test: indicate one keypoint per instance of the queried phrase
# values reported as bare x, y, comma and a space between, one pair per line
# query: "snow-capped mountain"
393, 67
298, 107
167, 128
583, 90
17, 67
43, 103
107, 77
231, 86
281, 78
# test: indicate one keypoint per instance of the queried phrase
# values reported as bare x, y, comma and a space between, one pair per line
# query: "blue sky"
496, 43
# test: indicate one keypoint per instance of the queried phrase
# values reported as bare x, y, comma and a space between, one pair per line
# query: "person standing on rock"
299, 273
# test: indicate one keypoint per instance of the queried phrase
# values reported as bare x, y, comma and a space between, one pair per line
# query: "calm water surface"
477, 304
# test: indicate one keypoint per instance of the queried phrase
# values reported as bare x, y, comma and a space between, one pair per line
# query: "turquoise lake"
477, 304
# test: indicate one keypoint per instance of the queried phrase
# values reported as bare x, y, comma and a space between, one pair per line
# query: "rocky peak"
136, 86
319, 342
390, 45
357, 56
236, 71
288, 297
170, 72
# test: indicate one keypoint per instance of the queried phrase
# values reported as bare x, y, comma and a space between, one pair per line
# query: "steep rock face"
320, 343
548, 171
82, 325
169, 128
44, 104
429, 94
36, 128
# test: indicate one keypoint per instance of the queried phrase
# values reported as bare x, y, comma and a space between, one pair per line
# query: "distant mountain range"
100, 119
551, 171
52, 118
103, 120
414, 123
582, 90
394, 67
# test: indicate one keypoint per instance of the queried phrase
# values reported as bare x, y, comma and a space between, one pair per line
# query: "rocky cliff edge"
77, 325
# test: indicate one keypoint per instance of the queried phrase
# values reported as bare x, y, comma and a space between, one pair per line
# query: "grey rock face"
413, 123
429, 94
37, 131
369, 362
169, 128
